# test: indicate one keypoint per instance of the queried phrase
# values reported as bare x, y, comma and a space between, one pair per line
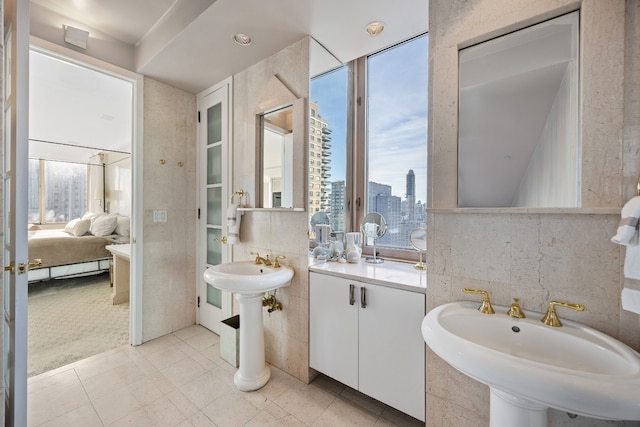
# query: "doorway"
82, 117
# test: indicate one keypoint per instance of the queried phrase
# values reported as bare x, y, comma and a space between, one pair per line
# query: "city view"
396, 142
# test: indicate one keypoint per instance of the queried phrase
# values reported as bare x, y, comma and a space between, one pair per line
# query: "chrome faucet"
260, 260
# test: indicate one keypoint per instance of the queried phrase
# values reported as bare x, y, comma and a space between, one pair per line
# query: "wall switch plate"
159, 215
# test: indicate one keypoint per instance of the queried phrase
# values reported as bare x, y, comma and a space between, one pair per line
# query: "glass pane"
214, 165
33, 195
397, 138
214, 248
65, 191
214, 124
328, 146
214, 296
214, 206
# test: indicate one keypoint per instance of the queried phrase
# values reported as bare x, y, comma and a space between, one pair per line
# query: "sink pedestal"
253, 372
509, 410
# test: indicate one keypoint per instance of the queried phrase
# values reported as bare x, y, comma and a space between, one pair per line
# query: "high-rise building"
319, 161
336, 206
411, 196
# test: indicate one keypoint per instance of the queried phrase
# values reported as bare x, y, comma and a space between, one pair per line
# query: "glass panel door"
214, 304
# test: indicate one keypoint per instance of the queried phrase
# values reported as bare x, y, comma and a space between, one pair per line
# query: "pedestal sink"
530, 367
249, 281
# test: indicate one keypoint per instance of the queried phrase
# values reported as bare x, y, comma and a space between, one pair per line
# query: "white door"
214, 171
14, 168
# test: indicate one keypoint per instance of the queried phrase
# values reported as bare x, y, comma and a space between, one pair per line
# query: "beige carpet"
72, 319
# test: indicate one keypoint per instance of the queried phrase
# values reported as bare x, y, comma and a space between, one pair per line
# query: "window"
384, 137
57, 191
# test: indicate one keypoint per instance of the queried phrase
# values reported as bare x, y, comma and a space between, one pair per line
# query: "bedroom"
79, 199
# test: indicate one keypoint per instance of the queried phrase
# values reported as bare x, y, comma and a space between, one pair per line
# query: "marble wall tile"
542, 256
169, 257
272, 232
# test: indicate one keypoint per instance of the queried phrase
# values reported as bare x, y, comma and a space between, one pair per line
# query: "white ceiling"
187, 44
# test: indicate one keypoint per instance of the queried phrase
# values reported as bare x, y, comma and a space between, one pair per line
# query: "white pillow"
92, 216
124, 226
103, 225
78, 226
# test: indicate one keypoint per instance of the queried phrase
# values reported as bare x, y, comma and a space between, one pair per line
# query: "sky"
397, 116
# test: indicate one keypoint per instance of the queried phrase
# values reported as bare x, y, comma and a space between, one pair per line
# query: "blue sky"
397, 116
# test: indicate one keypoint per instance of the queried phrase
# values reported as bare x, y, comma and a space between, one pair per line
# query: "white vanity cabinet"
368, 337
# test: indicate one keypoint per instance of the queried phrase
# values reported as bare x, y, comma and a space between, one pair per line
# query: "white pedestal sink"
530, 367
249, 281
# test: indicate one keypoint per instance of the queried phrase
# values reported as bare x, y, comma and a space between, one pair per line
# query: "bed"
64, 254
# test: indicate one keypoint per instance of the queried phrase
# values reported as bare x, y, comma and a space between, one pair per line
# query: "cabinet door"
392, 351
333, 328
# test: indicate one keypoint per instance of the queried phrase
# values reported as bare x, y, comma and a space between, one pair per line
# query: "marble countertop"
393, 274
123, 251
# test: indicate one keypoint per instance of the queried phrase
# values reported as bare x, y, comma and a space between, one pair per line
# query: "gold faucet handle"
552, 319
515, 310
276, 264
257, 260
485, 307
266, 260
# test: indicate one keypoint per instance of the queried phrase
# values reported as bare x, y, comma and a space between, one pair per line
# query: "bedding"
57, 247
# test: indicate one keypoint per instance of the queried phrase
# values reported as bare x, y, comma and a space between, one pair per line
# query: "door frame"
201, 235
137, 208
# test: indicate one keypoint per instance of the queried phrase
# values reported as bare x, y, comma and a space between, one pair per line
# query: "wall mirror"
518, 118
280, 148
277, 158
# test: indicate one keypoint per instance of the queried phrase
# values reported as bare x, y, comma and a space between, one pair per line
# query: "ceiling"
187, 44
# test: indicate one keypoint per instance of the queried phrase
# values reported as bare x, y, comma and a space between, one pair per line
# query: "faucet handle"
485, 307
515, 310
552, 319
266, 260
276, 264
257, 260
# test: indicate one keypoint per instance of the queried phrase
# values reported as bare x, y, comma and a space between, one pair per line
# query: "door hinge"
198, 302
198, 116
198, 213
358, 203
359, 101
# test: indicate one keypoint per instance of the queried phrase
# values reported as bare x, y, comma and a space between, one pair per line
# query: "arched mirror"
373, 227
418, 239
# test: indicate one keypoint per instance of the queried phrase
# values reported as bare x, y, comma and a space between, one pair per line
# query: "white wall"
551, 176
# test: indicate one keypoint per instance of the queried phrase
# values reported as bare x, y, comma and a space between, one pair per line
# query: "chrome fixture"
485, 307
260, 260
515, 310
552, 319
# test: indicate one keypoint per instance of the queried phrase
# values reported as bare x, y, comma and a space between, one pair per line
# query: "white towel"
627, 233
632, 262
234, 217
631, 300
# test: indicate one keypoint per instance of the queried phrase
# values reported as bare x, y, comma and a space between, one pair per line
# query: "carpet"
72, 319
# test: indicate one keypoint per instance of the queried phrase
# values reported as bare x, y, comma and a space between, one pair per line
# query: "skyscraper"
411, 195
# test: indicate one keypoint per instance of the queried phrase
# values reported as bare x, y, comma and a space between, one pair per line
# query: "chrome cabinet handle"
363, 297
352, 298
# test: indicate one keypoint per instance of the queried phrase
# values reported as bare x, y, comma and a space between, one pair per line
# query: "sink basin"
247, 277
572, 368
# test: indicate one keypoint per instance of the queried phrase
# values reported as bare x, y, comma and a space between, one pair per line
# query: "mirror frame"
299, 152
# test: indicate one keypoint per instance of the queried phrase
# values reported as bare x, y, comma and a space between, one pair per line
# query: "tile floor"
180, 380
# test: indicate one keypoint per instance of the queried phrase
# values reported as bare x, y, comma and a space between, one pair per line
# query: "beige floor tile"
84, 416
340, 413
204, 389
161, 412
116, 406
273, 415
46, 404
306, 402
183, 371
201, 420
229, 411
166, 357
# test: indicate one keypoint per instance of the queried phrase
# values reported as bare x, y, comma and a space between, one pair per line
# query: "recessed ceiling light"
242, 39
375, 28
